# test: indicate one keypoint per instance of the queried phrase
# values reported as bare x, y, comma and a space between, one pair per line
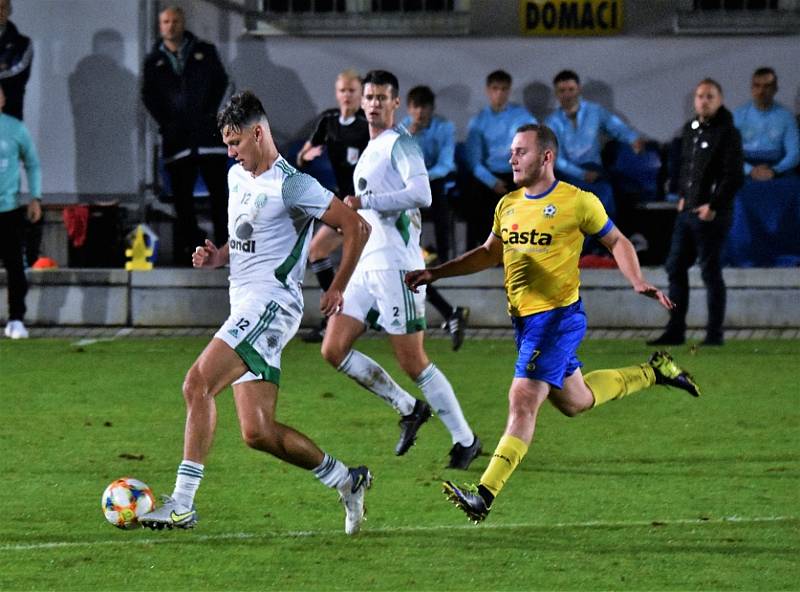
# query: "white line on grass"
292, 534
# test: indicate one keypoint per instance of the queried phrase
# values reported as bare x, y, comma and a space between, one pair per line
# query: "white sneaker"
170, 515
352, 497
16, 330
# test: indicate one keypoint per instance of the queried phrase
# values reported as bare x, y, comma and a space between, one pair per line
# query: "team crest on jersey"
234, 332
261, 200
549, 211
362, 183
235, 188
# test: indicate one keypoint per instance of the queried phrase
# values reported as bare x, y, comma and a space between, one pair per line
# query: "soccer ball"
125, 500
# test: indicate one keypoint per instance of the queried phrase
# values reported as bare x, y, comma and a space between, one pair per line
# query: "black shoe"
467, 499
713, 340
315, 335
456, 324
668, 338
462, 456
409, 424
669, 373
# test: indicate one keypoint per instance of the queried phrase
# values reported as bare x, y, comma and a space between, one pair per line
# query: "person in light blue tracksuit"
16, 146
488, 137
578, 125
770, 137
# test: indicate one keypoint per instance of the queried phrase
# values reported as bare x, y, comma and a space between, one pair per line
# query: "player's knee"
258, 436
333, 354
194, 387
568, 409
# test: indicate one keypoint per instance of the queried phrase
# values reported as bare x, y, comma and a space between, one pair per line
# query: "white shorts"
258, 331
381, 300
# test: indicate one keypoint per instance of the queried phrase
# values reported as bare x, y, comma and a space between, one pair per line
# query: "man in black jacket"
16, 55
184, 83
710, 175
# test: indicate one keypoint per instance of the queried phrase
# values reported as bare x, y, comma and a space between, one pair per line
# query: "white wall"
89, 135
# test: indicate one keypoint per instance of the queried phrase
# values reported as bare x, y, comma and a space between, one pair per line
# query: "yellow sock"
508, 454
607, 385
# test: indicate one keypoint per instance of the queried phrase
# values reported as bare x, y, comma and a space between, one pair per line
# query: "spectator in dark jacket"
711, 172
184, 84
16, 55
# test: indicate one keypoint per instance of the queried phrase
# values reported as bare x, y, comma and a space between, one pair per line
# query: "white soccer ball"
125, 500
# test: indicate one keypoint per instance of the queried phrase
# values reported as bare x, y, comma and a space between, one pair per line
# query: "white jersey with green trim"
392, 182
270, 222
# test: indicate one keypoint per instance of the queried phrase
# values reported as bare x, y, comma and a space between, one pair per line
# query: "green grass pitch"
659, 491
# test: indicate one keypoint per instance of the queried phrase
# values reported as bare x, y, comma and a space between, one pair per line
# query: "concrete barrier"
757, 298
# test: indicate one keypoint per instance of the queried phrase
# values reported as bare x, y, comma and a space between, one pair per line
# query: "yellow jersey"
542, 240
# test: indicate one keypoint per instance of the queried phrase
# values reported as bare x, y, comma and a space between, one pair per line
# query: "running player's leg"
215, 368
337, 347
402, 313
325, 241
410, 353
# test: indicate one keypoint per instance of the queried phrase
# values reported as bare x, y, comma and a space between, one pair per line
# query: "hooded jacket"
16, 56
711, 162
183, 95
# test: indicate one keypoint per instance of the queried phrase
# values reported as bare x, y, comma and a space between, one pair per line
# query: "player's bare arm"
628, 263
210, 256
489, 254
355, 233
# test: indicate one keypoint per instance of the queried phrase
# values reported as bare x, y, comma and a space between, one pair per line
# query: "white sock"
189, 476
437, 390
332, 472
372, 377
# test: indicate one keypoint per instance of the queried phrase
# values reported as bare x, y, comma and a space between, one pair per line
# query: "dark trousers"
442, 217
12, 236
695, 240
183, 176
479, 205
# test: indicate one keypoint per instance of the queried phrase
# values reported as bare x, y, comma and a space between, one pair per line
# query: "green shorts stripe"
263, 323
257, 365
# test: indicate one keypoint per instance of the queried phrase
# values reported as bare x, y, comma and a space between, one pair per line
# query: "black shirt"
344, 142
711, 162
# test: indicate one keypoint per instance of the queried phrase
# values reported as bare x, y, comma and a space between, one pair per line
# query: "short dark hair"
565, 75
422, 96
712, 82
765, 71
382, 78
499, 76
243, 110
545, 137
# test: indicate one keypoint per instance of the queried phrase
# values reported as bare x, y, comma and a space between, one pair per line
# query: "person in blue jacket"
436, 137
769, 131
579, 125
489, 136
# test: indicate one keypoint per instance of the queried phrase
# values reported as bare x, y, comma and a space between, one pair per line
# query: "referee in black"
343, 133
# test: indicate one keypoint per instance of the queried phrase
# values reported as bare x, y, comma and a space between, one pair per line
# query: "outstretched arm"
628, 263
487, 255
355, 233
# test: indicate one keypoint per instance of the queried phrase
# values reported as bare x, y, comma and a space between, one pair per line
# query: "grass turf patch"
656, 492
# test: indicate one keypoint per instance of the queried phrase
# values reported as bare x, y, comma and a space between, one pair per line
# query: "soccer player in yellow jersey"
537, 235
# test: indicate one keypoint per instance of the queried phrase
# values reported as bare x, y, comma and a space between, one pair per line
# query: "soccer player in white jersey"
391, 184
271, 211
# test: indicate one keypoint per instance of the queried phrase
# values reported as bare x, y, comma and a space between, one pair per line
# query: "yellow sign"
571, 17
